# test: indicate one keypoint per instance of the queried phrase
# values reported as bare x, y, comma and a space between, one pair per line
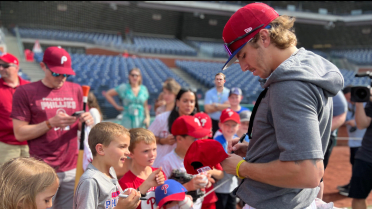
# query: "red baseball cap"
9, 58
189, 125
58, 60
202, 154
249, 19
229, 114
205, 121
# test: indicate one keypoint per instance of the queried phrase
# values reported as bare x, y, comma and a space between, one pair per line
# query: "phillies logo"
203, 121
63, 59
247, 30
197, 121
151, 201
164, 188
230, 113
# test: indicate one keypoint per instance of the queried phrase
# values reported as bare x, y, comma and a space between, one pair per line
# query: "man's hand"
240, 149
169, 140
62, 120
230, 163
131, 202
87, 118
351, 123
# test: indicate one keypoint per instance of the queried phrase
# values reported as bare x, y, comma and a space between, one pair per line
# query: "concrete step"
32, 69
189, 79
12, 45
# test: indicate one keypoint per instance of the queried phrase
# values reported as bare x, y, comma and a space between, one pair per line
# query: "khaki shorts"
8, 151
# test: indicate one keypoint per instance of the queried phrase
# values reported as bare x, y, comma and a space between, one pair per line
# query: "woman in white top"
186, 104
96, 113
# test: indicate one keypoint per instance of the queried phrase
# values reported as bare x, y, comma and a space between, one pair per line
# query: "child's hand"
197, 182
131, 202
155, 179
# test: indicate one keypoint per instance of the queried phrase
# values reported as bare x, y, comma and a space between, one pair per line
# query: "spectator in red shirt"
42, 116
9, 81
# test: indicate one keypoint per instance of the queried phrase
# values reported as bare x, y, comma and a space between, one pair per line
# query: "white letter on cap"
63, 59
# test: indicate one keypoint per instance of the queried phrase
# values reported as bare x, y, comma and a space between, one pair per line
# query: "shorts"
8, 151
361, 180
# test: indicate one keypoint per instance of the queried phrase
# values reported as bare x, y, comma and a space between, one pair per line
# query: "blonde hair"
139, 71
140, 135
172, 86
103, 133
281, 33
21, 179
224, 76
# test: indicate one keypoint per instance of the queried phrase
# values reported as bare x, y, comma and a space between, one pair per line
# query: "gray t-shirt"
292, 123
365, 151
96, 190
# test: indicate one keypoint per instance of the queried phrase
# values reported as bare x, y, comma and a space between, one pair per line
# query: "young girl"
26, 183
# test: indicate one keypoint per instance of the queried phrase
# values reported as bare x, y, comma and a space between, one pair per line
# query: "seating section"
94, 38
205, 72
357, 56
163, 46
350, 79
213, 49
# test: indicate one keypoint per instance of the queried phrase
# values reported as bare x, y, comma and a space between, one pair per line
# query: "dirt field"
337, 173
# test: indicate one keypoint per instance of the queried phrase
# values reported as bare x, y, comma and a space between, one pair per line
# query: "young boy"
229, 125
186, 129
143, 153
98, 186
235, 97
217, 173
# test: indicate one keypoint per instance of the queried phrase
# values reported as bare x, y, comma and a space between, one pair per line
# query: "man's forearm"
221, 107
301, 174
29, 132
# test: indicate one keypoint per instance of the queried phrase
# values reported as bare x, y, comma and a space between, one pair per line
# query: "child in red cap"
229, 125
217, 173
186, 129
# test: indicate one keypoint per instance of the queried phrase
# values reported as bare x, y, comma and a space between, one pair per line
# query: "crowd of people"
275, 155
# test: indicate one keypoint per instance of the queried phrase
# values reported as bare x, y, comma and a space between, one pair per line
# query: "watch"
216, 105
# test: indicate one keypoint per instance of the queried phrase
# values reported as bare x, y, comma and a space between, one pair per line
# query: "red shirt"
36, 103
6, 127
129, 180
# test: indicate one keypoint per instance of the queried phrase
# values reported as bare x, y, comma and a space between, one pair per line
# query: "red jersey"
129, 180
6, 127
36, 103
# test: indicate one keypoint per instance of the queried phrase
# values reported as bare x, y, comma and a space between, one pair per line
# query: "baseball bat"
79, 165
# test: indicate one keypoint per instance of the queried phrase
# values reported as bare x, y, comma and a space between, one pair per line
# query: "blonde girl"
27, 183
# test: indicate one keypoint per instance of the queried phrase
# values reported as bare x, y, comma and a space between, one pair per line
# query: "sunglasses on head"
5, 65
241, 37
57, 74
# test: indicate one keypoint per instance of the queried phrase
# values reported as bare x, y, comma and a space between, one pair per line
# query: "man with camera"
361, 180
354, 134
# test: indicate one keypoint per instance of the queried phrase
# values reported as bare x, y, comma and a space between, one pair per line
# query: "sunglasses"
229, 51
57, 74
5, 65
134, 75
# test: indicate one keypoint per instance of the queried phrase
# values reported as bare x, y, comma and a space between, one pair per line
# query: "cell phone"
77, 113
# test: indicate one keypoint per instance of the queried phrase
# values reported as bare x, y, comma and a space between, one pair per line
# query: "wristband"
48, 124
237, 169
142, 195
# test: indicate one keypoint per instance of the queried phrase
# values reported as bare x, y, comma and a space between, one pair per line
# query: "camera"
361, 93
